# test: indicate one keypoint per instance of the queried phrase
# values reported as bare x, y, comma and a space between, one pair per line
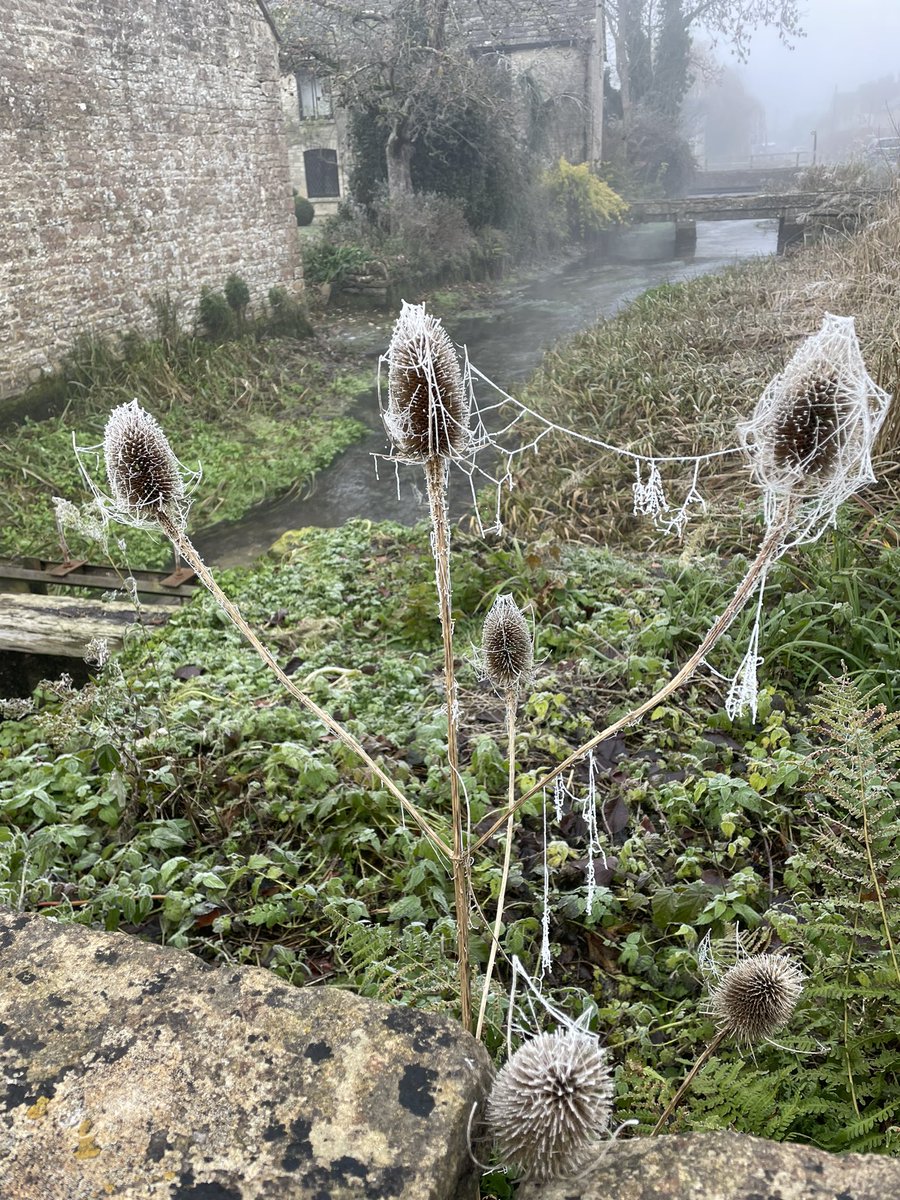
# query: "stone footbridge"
801, 216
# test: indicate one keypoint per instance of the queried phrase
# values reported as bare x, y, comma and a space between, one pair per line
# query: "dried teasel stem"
507, 651
511, 699
707, 1054
767, 551
427, 421
185, 547
436, 483
148, 491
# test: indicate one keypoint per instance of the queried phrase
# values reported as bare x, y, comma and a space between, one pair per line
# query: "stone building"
142, 155
559, 43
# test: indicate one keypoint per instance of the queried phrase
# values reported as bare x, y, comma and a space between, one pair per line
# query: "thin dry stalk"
436, 482
688, 1080
768, 548
185, 548
512, 698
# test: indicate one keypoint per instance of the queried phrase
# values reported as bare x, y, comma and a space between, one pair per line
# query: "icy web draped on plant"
469, 427
809, 444
811, 435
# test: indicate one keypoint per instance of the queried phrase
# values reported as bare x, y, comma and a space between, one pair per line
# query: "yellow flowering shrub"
589, 204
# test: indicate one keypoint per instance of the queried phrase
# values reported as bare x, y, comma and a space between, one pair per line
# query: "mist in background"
842, 79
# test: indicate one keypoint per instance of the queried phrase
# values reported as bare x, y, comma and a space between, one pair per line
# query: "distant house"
316, 137
142, 155
560, 49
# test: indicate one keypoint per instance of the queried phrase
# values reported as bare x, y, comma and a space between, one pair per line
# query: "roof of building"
507, 24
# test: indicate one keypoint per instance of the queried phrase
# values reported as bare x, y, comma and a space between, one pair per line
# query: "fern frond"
413, 964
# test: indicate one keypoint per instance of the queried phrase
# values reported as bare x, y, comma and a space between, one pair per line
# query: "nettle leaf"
211, 881
166, 835
291, 762
173, 867
407, 908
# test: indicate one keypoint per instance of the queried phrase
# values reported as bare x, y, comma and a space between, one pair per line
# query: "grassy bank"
261, 417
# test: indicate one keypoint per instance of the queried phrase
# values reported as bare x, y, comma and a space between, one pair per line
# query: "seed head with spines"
550, 1105
811, 436
146, 480
756, 997
507, 650
807, 426
427, 413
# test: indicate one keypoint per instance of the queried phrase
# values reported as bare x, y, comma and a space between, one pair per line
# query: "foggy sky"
848, 42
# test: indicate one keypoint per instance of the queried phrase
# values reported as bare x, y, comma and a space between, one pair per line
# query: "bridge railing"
758, 162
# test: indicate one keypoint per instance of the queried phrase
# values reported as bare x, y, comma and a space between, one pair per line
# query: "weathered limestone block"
129, 1070
726, 1166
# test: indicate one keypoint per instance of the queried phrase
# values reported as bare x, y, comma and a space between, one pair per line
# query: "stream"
506, 345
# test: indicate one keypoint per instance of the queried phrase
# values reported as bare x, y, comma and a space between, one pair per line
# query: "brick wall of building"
142, 152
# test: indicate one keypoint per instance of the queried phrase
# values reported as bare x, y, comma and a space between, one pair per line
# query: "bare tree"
645, 32
404, 60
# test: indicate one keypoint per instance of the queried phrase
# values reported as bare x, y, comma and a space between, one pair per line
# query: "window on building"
321, 173
314, 96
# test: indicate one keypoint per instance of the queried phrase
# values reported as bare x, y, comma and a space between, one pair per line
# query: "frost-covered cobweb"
503, 430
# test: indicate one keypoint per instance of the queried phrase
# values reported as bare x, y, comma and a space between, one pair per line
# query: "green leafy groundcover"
181, 796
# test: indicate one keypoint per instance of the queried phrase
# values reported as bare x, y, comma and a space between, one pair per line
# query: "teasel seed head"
507, 650
145, 477
807, 426
811, 436
427, 414
551, 1105
756, 997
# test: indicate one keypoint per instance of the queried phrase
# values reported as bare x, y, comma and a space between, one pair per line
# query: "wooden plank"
64, 625
152, 583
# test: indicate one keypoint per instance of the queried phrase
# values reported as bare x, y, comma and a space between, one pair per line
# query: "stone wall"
142, 152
